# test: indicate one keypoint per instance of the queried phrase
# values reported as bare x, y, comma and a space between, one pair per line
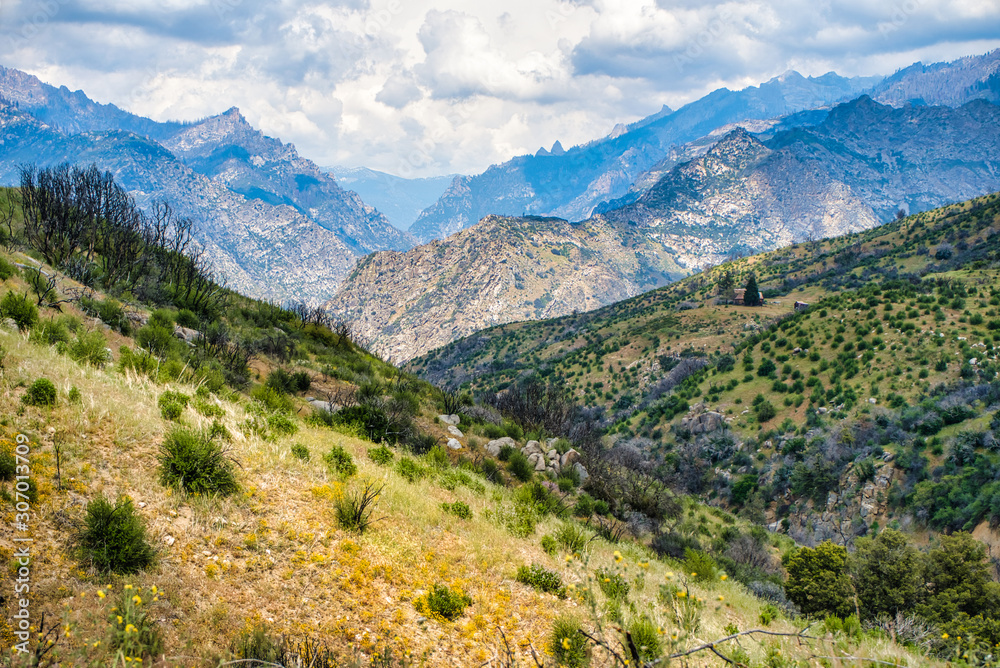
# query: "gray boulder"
454, 444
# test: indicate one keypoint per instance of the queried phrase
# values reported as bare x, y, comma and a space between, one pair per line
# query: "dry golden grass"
274, 552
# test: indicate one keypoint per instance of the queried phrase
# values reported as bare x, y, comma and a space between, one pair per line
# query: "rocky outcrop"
847, 513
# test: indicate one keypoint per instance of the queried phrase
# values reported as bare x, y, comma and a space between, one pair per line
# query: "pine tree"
725, 285
752, 295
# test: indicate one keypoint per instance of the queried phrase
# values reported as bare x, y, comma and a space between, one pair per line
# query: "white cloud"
425, 88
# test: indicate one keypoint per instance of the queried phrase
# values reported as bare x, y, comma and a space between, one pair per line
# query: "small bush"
300, 451
438, 457
614, 585
697, 562
50, 332
505, 452
20, 309
41, 393
646, 638
421, 444
172, 404
208, 409
569, 647
89, 348
187, 318
193, 462
520, 467
584, 506
270, 400
257, 647
519, 519
7, 269
340, 461
354, 509
381, 455
443, 603
133, 633
768, 614
490, 470
410, 469
281, 424
74, 395
549, 545
573, 538
113, 538
458, 509
542, 579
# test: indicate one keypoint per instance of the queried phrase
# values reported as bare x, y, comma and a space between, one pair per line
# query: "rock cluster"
543, 459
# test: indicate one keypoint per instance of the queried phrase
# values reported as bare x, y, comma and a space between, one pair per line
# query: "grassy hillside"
242, 525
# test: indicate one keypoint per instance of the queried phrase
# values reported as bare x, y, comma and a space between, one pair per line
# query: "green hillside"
166, 445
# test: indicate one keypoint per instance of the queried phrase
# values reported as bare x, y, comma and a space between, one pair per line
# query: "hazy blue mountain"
236, 182
399, 199
569, 184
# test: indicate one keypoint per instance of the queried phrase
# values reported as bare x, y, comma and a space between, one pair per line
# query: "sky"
431, 87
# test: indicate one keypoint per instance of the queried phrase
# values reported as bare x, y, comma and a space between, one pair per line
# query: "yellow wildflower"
119, 619
137, 599
128, 586
565, 643
723, 577
100, 594
618, 556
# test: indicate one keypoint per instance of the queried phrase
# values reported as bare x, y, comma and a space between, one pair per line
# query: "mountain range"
745, 194
573, 182
273, 224
400, 200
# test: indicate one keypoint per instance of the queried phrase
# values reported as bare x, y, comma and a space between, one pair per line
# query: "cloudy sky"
427, 87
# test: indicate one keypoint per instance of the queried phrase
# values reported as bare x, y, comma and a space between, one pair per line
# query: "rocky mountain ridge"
573, 183
742, 195
273, 223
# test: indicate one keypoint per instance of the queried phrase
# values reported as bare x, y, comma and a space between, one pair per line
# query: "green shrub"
438, 457
300, 451
490, 470
8, 463
157, 339
140, 361
370, 421
569, 647
505, 452
565, 484
542, 579
7, 269
172, 404
584, 506
133, 632
410, 469
40, 393
354, 509
614, 585
74, 395
270, 400
219, 430
549, 545
444, 602
281, 424
113, 538
340, 461
573, 538
89, 348
208, 409
191, 461
517, 518
700, 566
765, 411
646, 638
520, 467
50, 332
109, 311
171, 411
381, 455
187, 318
458, 509
768, 614
20, 309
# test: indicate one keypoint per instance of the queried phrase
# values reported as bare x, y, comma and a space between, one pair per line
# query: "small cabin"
740, 293
801, 306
